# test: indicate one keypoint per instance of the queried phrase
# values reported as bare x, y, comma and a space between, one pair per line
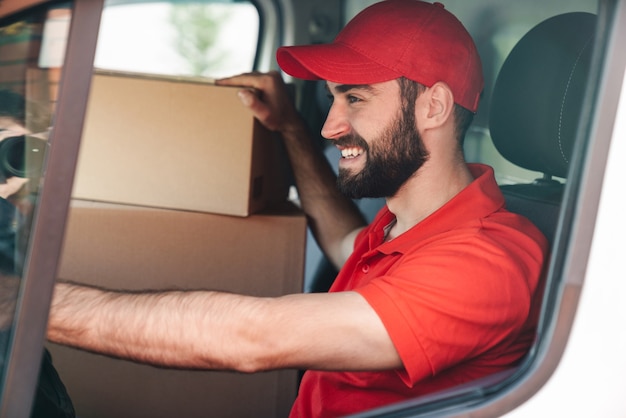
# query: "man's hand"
267, 96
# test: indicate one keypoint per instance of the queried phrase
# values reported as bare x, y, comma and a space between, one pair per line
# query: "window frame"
48, 227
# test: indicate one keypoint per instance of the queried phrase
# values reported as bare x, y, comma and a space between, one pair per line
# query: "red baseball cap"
390, 39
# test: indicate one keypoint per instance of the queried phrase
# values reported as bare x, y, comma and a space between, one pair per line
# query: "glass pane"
178, 38
31, 54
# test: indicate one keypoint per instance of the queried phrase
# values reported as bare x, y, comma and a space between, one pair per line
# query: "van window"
208, 39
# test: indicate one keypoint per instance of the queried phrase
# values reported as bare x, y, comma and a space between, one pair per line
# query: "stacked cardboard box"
174, 144
185, 231
134, 248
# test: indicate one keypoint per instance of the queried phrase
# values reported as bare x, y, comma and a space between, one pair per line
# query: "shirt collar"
479, 199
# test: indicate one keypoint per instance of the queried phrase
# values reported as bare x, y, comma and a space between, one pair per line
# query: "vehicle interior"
127, 87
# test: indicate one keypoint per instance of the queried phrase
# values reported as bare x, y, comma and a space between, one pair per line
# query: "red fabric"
455, 294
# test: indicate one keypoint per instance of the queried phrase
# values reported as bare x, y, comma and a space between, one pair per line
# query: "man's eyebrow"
344, 88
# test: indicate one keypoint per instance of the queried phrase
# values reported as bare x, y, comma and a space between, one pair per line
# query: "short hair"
462, 120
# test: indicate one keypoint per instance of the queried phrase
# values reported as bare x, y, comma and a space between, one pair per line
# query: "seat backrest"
535, 109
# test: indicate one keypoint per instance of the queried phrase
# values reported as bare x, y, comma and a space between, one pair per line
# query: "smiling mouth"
351, 152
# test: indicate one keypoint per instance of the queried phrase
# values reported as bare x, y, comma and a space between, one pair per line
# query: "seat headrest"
538, 95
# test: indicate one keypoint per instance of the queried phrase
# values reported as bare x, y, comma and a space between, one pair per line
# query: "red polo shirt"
456, 293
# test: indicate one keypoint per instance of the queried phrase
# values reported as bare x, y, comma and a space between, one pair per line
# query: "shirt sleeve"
453, 300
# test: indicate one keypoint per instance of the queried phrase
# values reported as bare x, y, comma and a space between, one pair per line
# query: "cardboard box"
136, 248
165, 143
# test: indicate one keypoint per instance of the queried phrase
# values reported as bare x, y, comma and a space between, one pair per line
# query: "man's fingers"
257, 80
263, 94
247, 97
250, 98
254, 80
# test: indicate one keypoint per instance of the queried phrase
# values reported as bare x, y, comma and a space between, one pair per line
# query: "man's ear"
437, 106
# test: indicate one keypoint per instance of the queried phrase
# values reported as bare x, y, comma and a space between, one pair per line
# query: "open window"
179, 38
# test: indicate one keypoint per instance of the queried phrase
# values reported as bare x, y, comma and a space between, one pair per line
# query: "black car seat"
535, 110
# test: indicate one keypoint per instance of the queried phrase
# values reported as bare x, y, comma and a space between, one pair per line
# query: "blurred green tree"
197, 28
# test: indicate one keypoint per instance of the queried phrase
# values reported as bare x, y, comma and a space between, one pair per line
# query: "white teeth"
351, 152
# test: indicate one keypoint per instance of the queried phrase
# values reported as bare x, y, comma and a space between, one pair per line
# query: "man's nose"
336, 125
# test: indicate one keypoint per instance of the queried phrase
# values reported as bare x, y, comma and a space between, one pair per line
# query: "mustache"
352, 140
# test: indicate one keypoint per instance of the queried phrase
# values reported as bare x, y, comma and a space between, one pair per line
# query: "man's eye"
353, 99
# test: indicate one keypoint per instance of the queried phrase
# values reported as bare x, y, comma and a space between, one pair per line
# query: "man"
51, 398
437, 291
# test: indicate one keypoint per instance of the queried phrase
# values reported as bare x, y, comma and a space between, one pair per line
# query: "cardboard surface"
116, 246
165, 143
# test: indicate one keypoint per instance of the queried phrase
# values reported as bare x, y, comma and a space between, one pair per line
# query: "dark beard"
391, 160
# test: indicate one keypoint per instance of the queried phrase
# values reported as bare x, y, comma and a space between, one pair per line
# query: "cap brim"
332, 62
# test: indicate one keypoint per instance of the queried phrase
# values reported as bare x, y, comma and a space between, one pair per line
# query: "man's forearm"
224, 331
191, 330
332, 216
